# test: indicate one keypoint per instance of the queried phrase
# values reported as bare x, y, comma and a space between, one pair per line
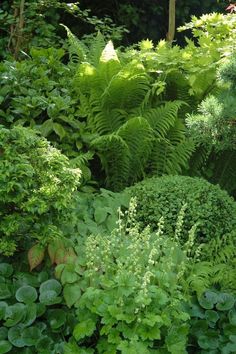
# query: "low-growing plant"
213, 323
131, 298
211, 210
33, 317
37, 189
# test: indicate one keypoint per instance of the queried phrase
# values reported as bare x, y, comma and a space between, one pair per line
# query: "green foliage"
213, 323
98, 212
131, 298
206, 207
37, 189
133, 137
31, 313
214, 128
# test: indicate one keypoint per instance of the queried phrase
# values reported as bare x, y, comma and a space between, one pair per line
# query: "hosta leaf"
26, 294
71, 294
35, 256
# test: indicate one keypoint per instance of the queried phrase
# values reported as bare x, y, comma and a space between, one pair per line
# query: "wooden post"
171, 29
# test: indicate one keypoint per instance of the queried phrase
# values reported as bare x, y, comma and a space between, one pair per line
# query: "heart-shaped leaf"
71, 294
50, 285
35, 256
49, 298
208, 300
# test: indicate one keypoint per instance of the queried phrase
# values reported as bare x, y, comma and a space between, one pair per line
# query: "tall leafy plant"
132, 136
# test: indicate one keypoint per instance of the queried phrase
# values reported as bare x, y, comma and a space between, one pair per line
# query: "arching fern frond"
138, 135
115, 159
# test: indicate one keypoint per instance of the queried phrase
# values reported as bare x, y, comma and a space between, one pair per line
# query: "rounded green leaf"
56, 318
3, 333
14, 314
49, 298
50, 285
30, 336
41, 308
5, 346
44, 343
6, 270
209, 340
26, 294
225, 302
14, 336
71, 293
208, 300
212, 316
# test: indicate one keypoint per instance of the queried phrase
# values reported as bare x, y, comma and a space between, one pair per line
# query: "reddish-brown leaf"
70, 256
35, 255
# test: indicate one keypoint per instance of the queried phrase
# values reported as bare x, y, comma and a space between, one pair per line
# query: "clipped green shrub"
131, 295
33, 318
210, 209
36, 189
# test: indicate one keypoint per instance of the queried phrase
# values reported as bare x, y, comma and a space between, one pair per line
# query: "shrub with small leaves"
208, 207
36, 190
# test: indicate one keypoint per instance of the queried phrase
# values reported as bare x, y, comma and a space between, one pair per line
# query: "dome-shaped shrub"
36, 189
211, 208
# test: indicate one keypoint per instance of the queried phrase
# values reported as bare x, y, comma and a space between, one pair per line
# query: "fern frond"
138, 135
77, 50
163, 117
200, 277
108, 121
115, 158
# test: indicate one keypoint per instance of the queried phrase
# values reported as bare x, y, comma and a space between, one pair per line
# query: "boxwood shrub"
205, 205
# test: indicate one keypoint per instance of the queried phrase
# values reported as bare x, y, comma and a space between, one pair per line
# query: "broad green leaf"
49, 297
47, 127
5, 346
100, 215
59, 130
208, 300
26, 294
212, 316
6, 270
44, 343
30, 335
71, 293
35, 256
14, 314
40, 309
225, 302
15, 336
51, 284
56, 318
68, 276
209, 340
84, 329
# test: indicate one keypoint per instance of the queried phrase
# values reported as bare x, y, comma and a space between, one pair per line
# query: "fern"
134, 137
